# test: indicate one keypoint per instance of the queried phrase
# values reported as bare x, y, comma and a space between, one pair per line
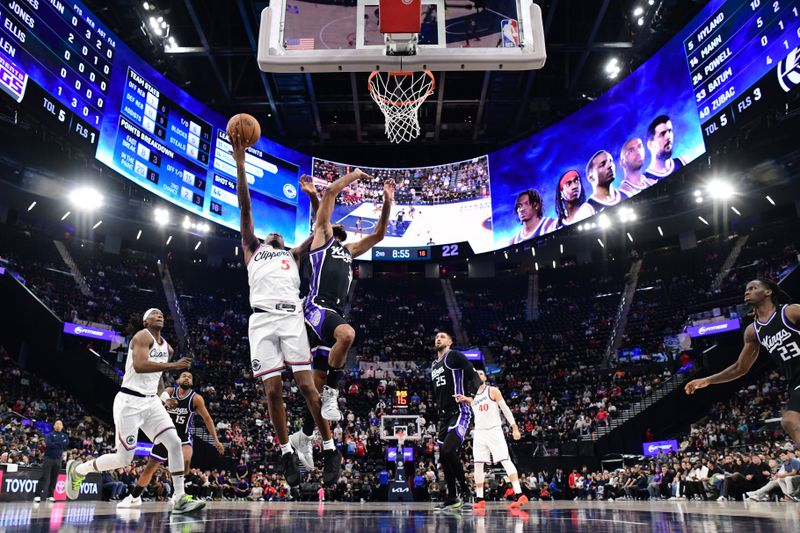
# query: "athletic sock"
517, 487
177, 481
334, 375
286, 448
479, 492
328, 445
308, 423
85, 468
137, 491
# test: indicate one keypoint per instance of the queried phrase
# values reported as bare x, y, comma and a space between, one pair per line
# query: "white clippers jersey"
487, 412
146, 384
274, 278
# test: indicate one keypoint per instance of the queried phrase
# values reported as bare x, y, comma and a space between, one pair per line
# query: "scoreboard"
61, 55
741, 58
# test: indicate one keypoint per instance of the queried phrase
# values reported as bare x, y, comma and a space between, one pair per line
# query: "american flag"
304, 43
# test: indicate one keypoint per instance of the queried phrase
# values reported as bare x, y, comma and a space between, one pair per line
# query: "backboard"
344, 35
401, 428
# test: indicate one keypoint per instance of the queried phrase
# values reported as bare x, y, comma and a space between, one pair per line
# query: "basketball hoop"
399, 95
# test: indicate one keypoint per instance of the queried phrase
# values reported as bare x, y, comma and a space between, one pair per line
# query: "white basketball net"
399, 96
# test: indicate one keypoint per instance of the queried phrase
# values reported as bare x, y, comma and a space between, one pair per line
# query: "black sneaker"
332, 466
291, 469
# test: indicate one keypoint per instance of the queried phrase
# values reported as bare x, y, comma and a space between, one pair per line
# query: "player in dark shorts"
452, 375
330, 275
776, 327
182, 403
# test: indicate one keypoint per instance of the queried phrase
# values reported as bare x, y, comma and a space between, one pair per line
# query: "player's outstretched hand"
460, 398
307, 185
696, 384
238, 148
183, 362
220, 448
389, 187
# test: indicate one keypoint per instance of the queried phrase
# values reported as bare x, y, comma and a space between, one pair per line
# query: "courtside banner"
92, 333
23, 485
714, 328
651, 449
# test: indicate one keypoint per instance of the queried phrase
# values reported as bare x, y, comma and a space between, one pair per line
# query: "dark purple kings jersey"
781, 338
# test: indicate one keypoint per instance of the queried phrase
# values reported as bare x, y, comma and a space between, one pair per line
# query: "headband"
147, 313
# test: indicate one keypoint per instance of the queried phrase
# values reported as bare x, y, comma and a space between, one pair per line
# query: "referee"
56, 443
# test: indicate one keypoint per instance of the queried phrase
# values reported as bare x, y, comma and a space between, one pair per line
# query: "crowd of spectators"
454, 182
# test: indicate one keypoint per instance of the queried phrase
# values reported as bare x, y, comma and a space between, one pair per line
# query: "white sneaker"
330, 404
129, 502
301, 443
51, 499
37, 499
722, 499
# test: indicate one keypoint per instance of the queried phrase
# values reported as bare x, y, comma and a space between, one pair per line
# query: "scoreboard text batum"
743, 58
458, 250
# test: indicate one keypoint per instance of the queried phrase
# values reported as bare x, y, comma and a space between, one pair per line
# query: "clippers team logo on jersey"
256, 365
263, 255
130, 440
158, 355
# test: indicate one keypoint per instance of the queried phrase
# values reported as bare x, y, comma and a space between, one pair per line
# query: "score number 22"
450, 250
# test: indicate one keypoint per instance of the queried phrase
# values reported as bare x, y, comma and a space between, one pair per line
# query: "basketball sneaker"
332, 466
453, 505
186, 504
129, 502
520, 500
301, 443
480, 503
330, 404
74, 480
291, 470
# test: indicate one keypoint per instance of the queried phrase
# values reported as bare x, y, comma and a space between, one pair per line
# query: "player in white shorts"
277, 329
488, 441
137, 406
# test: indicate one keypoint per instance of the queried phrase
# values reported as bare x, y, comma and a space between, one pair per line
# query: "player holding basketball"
631, 159
488, 442
138, 407
529, 209
777, 328
660, 142
277, 332
600, 172
453, 376
570, 196
182, 402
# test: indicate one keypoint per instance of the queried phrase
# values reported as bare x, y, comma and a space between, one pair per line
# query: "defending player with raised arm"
331, 275
182, 402
777, 328
276, 331
488, 442
137, 407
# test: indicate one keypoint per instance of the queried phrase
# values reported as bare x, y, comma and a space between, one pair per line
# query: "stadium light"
638, 11
33, 204
169, 240
186, 222
626, 214
196, 246
735, 210
561, 246
704, 221
161, 216
236, 251
720, 190
660, 231
601, 243
630, 238
533, 251
68, 213
86, 198
640, 22
554, 263
613, 68
97, 225
505, 254
698, 199
138, 235
770, 200
536, 265
603, 221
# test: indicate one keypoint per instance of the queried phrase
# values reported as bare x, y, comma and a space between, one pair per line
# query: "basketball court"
565, 517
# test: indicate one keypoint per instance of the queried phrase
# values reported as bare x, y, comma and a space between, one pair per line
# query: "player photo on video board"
639, 132
433, 205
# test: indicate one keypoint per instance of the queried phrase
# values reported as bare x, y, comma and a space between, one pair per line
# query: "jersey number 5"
285, 264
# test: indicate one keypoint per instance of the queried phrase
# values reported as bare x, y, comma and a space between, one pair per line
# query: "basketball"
246, 127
